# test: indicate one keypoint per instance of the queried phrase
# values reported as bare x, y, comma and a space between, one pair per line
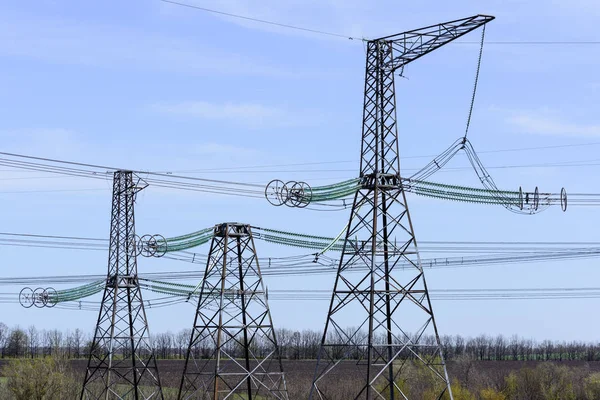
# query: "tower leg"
121, 364
393, 334
233, 327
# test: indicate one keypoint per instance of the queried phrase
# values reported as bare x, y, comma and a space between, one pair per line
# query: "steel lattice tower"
234, 326
393, 322
121, 364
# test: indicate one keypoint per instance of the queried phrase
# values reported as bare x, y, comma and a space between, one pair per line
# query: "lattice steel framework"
233, 326
121, 364
393, 322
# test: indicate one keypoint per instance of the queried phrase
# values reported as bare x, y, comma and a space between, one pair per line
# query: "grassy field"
470, 376
474, 375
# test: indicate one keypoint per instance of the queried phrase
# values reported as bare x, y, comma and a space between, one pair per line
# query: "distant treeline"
295, 345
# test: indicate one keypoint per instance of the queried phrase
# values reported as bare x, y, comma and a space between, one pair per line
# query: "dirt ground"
299, 373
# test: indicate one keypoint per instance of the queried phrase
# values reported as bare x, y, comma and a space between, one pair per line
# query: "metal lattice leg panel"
393, 327
121, 364
233, 352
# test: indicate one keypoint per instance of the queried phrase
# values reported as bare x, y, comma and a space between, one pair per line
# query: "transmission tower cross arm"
414, 44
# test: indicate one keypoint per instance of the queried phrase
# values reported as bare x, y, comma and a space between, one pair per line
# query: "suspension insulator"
275, 192
136, 245
51, 297
26, 297
161, 245
520, 198
40, 297
290, 199
147, 250
563, 199
306, 194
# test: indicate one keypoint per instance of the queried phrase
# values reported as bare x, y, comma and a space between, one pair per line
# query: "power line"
536, 42
263, 21
247, 167
103, 175
61, 161
560, 146
233, 188
324, 295
491, 246
320, 32
169, 174
573, 163
51, 236
51, 191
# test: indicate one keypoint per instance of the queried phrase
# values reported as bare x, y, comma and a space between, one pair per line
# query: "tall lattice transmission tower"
121, 364
233, 326
393, 323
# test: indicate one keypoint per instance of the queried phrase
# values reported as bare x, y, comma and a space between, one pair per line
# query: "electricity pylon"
393, 323
121, 363
233, 326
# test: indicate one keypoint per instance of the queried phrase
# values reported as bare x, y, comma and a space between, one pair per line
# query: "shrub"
39, 379
459, 392
546, 382
491, 394
591, 386
556, 382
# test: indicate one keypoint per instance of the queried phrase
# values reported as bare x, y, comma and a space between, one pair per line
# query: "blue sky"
153, 86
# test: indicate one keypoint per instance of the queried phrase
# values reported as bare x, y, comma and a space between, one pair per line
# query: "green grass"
3, 384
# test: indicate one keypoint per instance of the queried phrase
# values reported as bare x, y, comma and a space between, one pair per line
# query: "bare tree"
182, 340
17, 343
77, 342
164, 341
3, 337
499, 347
68, 344
34, 340
46, 343
311, 341
56, 342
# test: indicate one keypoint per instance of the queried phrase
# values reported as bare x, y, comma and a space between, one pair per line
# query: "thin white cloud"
335, 16
51, 142
218, 149
58, 143
63, 41
544, 124
203, 109
248, 114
